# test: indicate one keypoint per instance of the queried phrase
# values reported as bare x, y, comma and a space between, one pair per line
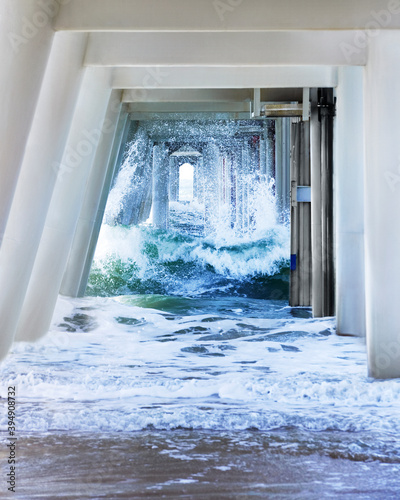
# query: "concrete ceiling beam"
333, 48
141, 80
225, 15
190, 107
189, 95
210, 116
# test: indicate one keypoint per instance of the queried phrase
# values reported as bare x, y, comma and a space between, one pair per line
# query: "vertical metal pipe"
286, 167
294, 222
316, 229
326, 117
305, 211
279, 164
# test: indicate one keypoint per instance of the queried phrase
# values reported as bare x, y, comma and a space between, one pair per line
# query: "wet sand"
184, 464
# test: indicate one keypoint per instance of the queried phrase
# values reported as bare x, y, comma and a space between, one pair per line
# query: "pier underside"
312, 96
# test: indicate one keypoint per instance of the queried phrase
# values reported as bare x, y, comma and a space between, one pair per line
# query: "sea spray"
146, 260
240, 248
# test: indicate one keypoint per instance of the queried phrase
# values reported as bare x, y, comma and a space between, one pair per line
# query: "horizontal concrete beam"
220, 78
212, 116
236, 15
189, 95
332, 48
190, 107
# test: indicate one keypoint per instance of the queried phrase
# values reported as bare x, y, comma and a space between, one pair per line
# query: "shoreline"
190, 464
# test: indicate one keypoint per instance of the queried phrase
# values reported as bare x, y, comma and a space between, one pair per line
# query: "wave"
143, 260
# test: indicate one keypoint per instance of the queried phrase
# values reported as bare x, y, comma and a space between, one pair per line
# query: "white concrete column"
160, 187
244, 186
36, 182
211, 200
26, 36
118, 146
173, 179
382, 204
77, 257
349, 202
65, 206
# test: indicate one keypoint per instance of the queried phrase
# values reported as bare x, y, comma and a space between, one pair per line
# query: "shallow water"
178, 396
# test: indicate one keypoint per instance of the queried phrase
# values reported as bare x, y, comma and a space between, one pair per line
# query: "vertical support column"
243, 181
270, 149
300, 276
349, 201
200, 180
263, 152
328, 268
38, 176
87, 219
323, 288
135, 177
26, 37
382, 207
173, 179
294, 299
115, 159
286, 167
211, 202
65, 206
305, 216
160, 187
316, 224
129, 129
282, 162
195, 178
278, 163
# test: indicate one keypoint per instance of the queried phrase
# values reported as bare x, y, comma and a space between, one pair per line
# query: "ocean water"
155, 396
184, 373
200, 389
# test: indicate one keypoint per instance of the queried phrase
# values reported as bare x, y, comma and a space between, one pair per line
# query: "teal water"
172, 263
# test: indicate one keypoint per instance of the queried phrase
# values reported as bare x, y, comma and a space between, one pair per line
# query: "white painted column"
115, 160
173, 179
26, 36
211, 200
382, 204
65, 206
77, 257
349, 201
200, 180
160, 187
36, 182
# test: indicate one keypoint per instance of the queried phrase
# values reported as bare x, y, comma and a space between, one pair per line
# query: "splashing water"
141, 259
194, 257
189, 371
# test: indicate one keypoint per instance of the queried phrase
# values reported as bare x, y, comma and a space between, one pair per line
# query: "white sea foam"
181, 371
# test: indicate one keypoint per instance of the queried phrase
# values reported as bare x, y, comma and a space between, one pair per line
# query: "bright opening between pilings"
186, 178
